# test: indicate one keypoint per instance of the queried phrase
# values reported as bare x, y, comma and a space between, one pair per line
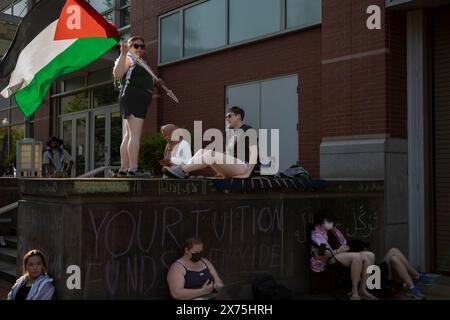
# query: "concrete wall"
125, 234
374, 158
8, 194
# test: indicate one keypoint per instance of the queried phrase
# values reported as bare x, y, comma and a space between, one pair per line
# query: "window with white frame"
115, 11
205, 26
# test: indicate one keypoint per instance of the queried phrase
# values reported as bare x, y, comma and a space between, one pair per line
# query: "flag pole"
147, 68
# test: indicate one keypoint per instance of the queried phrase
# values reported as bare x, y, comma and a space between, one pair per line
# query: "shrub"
151, 152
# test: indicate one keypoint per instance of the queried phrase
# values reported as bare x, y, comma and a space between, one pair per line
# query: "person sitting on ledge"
57, 161
191, 276
329, 246
176, 152
35, 284
231, 164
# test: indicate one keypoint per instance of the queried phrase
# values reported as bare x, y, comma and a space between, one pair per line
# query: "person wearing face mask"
192, 276
330, 247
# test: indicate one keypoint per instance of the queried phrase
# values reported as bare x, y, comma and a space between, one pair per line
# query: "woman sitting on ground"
35, 284
192, 276
400, 269
177, 152
328, 238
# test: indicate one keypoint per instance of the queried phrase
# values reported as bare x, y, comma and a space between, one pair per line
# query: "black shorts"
135, 102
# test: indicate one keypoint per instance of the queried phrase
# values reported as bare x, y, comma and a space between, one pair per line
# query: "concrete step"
8, 255
11, 241
8, 271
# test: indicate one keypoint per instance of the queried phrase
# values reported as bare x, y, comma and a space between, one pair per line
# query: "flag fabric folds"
55, 38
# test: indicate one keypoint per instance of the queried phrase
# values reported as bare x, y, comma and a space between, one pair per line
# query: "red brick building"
367, 100
351, 102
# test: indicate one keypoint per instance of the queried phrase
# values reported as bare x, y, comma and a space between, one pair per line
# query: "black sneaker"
137, 174
121, 174
176, 172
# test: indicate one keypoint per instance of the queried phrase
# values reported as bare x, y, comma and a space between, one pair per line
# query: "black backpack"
266, 288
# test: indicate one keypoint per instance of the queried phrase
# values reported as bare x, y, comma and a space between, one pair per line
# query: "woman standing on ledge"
135, 97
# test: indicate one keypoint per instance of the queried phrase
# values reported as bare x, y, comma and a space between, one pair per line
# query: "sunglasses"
229, 115
137, 46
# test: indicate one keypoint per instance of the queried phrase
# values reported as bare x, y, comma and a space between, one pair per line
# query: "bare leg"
395, 263
368, 260
135, 125
229, 166
396, 252
124, 157
197, 162
221, 163
354, 261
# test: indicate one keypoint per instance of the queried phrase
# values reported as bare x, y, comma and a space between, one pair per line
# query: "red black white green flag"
56, 37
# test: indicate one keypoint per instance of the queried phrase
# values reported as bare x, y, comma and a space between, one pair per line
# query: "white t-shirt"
181, 153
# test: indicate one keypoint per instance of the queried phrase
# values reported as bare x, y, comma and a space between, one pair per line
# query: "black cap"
52, 139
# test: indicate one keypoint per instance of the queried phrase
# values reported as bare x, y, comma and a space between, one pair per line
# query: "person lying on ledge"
232, 163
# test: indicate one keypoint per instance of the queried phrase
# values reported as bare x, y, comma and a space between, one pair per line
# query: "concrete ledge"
125, 236
358, 158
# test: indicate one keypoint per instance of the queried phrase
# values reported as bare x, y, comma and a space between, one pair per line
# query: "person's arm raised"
123, 63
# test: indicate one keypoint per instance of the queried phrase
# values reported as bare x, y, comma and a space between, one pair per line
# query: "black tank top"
139, 78
196, 279
22, 293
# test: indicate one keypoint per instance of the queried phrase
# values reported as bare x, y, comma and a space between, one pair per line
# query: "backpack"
266, 288
296, 172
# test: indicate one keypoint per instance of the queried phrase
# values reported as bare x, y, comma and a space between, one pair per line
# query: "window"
253, 18
204, 27
170, 37
99, 76
209, 25
125, 17
104, 96
303, 12
12, 129
74, 83
102, 5
115, 11
20, 9
4, 104
74, 103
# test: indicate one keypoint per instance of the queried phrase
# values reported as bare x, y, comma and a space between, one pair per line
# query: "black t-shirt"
237, 138
22, 293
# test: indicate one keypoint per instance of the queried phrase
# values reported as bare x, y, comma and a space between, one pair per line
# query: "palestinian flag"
56, 37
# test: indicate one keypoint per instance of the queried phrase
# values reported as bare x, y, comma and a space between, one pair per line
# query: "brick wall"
362, 92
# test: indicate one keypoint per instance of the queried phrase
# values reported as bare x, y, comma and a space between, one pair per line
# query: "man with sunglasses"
135, 97
233, 163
